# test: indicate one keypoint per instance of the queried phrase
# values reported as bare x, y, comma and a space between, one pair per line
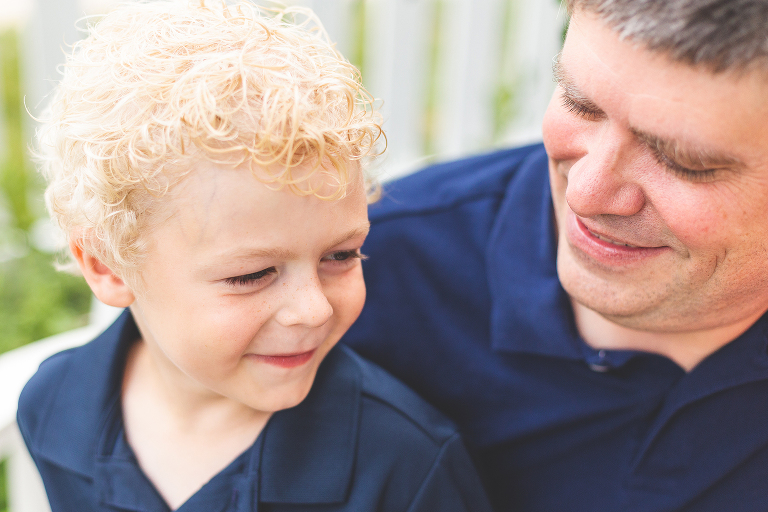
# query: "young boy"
204, 162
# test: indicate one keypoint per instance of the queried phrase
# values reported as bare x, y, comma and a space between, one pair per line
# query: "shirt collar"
306, 453
742, 361
530, 312
121, 484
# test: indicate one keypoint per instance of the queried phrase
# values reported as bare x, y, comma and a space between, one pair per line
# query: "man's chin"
624, 309
630, 306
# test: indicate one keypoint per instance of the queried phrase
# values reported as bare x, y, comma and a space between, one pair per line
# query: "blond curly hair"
157, 86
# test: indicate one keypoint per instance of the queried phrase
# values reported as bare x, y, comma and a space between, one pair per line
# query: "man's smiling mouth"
614, 242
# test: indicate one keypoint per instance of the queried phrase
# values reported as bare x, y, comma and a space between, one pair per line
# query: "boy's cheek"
348, 295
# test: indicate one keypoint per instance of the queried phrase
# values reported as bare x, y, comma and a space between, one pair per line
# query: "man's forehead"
677, 109
720, 35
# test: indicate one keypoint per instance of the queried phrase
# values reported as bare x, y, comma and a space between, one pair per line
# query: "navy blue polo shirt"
360, 441
464, 305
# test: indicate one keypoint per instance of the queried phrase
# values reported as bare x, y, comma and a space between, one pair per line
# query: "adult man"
600, 335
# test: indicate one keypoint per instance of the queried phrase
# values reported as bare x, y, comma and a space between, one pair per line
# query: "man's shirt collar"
531, 312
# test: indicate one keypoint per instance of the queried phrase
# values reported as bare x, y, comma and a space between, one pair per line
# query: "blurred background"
456, 77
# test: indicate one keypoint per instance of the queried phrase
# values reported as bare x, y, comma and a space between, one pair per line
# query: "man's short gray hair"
717, 34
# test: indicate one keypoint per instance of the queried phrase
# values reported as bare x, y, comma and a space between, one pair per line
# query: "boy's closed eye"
334, 262
251, 278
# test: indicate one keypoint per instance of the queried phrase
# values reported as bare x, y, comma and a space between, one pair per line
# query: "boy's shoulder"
446, 185
39, 393
354, 399
61, 406
387, 447
387, 399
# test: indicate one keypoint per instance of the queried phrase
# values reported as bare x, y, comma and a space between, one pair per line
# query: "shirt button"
600, 367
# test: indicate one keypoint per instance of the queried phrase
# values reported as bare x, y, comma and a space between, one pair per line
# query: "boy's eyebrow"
357, 232
564, 80
689, 156
285, 254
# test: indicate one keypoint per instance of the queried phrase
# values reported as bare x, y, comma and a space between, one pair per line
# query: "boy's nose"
306, 305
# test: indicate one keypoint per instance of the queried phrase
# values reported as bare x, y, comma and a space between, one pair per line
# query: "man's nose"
602, 181
305, 304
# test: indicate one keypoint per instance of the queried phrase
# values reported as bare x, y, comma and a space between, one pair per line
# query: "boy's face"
246, 289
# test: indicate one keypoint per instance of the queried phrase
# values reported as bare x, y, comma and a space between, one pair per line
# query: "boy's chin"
285, 396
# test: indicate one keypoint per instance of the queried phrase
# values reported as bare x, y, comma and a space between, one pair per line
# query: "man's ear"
105, 285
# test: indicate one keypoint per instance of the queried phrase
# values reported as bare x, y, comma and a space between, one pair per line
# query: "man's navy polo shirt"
360, 441
464, 305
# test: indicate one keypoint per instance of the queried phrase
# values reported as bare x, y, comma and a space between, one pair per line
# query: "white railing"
456, 76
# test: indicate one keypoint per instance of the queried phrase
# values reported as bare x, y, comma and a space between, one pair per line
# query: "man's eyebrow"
570, 91
689, 156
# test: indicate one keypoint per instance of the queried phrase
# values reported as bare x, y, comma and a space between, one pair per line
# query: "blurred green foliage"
357, 52
3, 492
35, 300
14, 178
505, 96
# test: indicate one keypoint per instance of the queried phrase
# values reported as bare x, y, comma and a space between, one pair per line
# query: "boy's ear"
105, 285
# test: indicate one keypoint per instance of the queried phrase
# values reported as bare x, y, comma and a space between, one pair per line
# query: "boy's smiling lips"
284, 360
304, 350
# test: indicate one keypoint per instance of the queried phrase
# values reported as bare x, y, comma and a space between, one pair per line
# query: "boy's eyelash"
580, 110
249, 278
346, 255
698, 176
261, 274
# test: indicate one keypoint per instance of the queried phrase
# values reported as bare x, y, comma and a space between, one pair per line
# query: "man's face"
659, 175
247, 288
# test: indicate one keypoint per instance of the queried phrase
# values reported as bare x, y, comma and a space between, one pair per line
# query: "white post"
537, 27
397, 70
336, 16
25, 488
470, 55
50, 29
